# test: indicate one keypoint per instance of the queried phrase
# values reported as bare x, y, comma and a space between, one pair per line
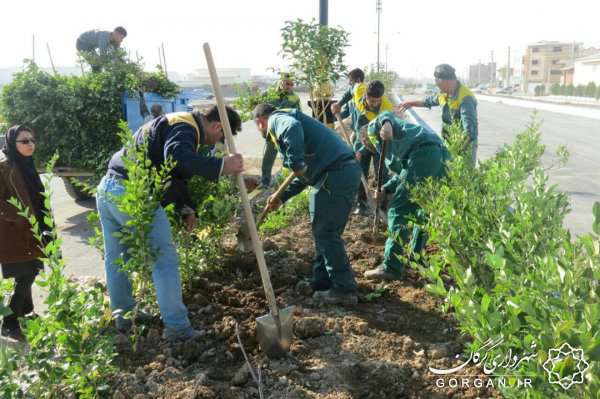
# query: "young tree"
316, 55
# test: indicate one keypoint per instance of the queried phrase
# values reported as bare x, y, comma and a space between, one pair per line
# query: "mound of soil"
381, 348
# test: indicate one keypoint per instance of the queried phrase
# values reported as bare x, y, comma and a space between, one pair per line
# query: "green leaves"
67, 340
516, 272
315, 52
596, 213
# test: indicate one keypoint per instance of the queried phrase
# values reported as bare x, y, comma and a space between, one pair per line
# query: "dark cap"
444, 72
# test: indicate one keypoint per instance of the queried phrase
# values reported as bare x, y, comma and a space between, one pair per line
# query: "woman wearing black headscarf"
19, 249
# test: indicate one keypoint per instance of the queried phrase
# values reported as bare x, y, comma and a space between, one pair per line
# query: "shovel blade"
275, 338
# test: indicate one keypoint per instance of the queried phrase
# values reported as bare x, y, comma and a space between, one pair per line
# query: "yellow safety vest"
454, 103
187, 118
361, 106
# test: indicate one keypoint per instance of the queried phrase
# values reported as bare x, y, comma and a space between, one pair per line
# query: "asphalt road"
500, 122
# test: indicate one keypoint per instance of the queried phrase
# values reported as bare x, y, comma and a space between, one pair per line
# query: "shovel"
274, 330
380, 168
277, 194
363, 179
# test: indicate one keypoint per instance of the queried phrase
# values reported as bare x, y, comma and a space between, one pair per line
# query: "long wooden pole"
164, 59
256, 243
50, 55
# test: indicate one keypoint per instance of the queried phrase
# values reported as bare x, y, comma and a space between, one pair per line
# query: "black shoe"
14, 333
319, 286
334, 297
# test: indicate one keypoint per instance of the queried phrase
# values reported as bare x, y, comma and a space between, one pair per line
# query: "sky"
418, 34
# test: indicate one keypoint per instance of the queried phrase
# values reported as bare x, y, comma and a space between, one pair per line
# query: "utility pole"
50, 55
508, 68
162, 45
492, 70
323, 12
160, 59
33, 48
378, 9
479, 73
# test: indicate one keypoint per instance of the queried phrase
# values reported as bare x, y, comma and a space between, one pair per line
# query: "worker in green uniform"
369, 100
320, 159
458, 106
413, 154
286, 98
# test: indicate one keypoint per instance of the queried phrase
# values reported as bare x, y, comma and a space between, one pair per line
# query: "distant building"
586, 70
227, 76
544, 63
481, 74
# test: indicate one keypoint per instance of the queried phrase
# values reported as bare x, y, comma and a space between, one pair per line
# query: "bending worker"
186, 138
414, 154
458, 106
319, 158
367, 102
286, 98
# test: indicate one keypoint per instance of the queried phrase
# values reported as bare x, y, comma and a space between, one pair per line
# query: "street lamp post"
378, 8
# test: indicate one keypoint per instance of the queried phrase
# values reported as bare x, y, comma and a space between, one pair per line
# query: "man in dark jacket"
183, 137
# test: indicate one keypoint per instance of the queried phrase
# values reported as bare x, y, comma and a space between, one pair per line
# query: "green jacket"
460, 107
305, 144
406, 138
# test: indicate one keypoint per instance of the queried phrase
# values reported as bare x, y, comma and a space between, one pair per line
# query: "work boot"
123, 324
379, 273
335, 297
184, 334
14, 333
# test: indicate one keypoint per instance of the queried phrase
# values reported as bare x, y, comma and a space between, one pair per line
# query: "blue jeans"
165, 271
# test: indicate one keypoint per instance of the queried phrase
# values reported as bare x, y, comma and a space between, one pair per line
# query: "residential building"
586, 70
481, 74
544, 61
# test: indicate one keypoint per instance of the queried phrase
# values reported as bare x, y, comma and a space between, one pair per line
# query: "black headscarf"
26, 167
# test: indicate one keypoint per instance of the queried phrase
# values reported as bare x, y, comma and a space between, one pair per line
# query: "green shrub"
77, 116
590, 89
507, 267
248, 98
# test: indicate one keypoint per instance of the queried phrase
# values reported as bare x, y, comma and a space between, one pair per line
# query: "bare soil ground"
382, 348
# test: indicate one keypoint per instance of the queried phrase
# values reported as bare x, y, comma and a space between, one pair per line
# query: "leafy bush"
144, 188
77, 116
509, 269
248, 98
590, 89
69, 353
215, 204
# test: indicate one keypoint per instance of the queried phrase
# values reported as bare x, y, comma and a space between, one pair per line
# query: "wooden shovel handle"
256, 244
277, 194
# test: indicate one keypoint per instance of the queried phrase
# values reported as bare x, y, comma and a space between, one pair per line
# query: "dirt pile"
382, 348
